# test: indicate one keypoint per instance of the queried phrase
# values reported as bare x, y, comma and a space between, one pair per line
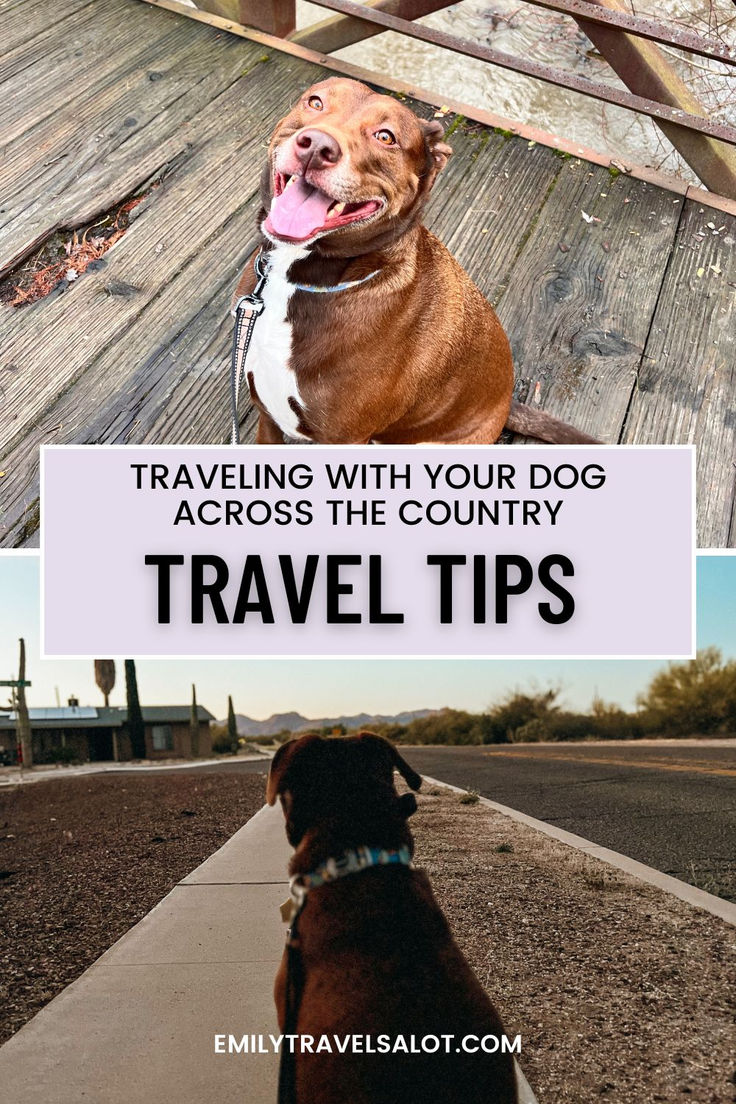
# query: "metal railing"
629, 43
550, 74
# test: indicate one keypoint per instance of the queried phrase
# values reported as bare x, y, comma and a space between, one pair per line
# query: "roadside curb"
697, 898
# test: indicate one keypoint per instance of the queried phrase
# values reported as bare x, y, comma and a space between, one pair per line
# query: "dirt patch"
620, 992
83, 859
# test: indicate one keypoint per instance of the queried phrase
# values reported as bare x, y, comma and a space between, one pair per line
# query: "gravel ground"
620, 992
83, 859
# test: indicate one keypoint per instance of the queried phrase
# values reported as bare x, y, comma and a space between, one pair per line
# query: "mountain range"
295, 722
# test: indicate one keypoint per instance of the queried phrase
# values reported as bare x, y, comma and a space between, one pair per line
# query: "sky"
328, 688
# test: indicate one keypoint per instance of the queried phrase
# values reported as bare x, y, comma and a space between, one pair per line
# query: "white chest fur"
270, 351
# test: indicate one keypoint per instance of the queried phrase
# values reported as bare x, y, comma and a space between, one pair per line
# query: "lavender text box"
630, 539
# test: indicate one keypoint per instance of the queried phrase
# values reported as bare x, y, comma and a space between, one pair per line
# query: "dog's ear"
282, 766
386, 748
408, 805
412, 779
438, 150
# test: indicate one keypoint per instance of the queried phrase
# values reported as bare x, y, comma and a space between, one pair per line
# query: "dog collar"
318, 290
351, 862
261, 270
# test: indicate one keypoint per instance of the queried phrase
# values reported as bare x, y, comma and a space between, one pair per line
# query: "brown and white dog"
412, 352
375, 954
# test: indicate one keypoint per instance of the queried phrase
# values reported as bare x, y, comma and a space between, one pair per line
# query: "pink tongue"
299, 211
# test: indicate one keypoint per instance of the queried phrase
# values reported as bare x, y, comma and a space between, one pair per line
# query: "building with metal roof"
91, 734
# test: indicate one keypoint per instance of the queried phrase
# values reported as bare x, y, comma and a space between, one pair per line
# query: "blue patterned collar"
351, 862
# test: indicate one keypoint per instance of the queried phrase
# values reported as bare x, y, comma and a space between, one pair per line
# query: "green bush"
694, 698
59, 755
222, 741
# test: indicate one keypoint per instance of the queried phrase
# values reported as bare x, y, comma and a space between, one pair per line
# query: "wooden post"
343, 30
276, 17
645, 70
23, 721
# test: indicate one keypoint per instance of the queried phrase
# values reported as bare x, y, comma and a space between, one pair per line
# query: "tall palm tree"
105, 677
194, 724
136, 727
232, 725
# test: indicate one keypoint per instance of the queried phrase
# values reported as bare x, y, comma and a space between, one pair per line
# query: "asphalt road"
669, 805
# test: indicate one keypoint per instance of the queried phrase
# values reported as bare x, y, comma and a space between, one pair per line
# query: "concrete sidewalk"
138, 1026
18, 776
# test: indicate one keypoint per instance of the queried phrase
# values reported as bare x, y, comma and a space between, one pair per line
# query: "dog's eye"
315, 103
385, 137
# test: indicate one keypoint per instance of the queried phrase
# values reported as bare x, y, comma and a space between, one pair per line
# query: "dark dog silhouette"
374, 953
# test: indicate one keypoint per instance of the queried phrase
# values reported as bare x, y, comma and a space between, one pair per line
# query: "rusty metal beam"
591, 12
277, 17
676, 117
646, 71
459, 107
342, 30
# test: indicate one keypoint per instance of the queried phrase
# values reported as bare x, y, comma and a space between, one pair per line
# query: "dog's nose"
316, 149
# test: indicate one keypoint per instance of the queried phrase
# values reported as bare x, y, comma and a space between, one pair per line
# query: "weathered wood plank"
115, 142
164, 380
276, 17
224, 161
578, 304
686, 387
59, 74
24, 20
44, 162
151, 323
486, 205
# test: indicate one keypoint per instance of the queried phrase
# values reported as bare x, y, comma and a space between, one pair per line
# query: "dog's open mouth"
299, 210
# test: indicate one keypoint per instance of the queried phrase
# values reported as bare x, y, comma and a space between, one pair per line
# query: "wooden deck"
624, 325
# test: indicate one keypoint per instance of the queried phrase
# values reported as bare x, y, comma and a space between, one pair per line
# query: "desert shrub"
516, 711
222, 741
469, 798
446, 726
694, 698
610, 722
396, 733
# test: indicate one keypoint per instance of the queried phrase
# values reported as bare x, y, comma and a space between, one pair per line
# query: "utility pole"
22, 724
194, 724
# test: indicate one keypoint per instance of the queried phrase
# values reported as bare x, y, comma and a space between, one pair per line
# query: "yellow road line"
647, 764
